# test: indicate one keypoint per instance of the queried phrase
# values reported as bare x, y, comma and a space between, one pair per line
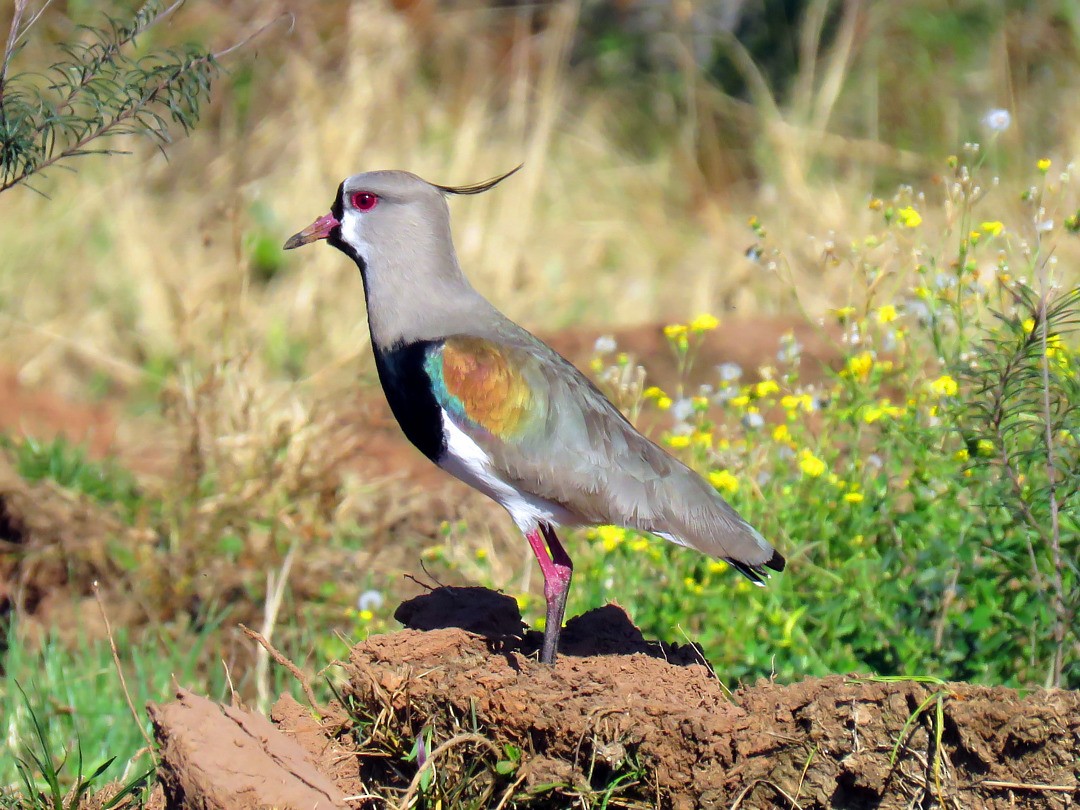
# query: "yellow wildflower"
810, 464
704, 323
1043, 165
909, 217
610, 536
703, 439
675, 330
716, 566
664, 402
843, 313
740, 401
860, 365
944, 386
724, 481
366, 615
781, 433
984, 447
876, 204
639, 544
882, 409
652, 392
700, 404
853, 497
692, 585
793, 402
481, 553
961, 454
993, 227
766, 387
887, 313
1029, 325
678, 442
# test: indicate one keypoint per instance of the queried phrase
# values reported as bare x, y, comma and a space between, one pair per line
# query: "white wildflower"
997, 119
370, 600
605, 344
729, 372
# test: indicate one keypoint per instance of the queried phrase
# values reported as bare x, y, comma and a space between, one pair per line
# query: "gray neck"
410, 299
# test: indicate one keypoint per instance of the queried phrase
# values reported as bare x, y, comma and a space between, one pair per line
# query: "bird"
498, 408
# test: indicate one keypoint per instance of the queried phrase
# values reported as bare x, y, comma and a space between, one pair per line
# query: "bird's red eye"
363, 200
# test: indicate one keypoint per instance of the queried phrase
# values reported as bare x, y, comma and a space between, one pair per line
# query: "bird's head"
379, 212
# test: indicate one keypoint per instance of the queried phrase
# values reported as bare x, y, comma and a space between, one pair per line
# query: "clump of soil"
226, 757
650, 719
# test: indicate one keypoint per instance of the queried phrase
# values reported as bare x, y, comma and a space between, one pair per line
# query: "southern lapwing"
496, 407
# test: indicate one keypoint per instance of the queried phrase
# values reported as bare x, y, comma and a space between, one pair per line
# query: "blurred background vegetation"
832, 171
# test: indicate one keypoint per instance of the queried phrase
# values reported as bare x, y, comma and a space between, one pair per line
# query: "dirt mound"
643, 722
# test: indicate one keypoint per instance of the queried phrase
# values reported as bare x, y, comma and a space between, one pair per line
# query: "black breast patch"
408, 390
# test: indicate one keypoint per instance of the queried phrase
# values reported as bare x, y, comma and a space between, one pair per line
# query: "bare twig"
739, 799
508, 794
802, 776
994, 783
285, 662
120, 674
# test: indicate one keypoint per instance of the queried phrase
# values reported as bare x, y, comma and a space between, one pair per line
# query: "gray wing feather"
589, 459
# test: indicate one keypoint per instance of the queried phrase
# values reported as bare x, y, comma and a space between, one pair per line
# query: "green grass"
64, 714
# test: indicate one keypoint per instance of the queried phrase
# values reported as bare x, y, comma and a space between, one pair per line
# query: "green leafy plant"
104, 83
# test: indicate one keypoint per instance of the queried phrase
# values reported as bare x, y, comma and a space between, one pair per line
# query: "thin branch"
107, 128
120, 672
111, 49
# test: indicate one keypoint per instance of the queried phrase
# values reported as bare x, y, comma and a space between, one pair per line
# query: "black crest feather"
478, 188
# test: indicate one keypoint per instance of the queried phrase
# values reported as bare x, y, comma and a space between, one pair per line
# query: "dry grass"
141, 259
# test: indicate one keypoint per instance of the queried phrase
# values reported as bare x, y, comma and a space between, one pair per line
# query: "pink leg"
557, 568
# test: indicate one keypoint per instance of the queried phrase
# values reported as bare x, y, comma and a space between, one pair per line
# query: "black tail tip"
757, 573
776, 562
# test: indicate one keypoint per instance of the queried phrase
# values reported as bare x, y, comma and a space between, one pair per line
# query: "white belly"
467, 461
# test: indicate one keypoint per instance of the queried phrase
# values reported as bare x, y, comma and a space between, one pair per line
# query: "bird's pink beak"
319, 229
